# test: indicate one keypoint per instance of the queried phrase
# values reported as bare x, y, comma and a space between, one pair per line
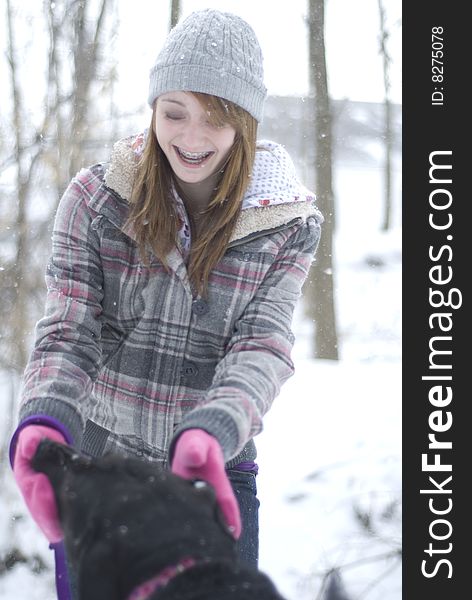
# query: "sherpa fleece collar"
274, 197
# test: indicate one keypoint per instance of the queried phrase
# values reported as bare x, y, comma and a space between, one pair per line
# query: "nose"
193, 136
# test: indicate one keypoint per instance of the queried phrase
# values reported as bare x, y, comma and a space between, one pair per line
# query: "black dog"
127, 522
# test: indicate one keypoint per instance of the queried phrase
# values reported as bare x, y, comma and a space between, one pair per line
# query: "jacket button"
200, 307
189, 369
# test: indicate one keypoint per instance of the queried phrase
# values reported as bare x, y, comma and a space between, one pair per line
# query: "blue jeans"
245, 489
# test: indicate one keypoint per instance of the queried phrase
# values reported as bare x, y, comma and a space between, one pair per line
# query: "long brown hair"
153, 216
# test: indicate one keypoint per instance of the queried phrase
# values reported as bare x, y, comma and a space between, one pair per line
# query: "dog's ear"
51, 460
57, 461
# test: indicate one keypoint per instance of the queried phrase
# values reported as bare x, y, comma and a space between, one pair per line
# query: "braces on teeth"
193, 155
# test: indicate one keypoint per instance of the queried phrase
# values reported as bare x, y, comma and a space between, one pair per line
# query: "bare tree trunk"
86, 53
57, 98
17, 358
321, 288
388, 130
174, 13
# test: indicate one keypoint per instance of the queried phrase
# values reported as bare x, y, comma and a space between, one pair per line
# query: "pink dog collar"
144, 590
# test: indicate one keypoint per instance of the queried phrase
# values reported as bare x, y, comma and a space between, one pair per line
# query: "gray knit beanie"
214, 53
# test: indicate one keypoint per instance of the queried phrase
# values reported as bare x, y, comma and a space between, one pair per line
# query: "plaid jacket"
126, 357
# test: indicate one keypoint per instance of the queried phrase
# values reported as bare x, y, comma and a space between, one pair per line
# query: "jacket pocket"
111, 341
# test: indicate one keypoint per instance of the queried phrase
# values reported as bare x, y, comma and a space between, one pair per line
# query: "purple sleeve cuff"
38, 420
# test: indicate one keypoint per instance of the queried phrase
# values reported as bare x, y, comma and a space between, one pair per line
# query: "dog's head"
126, 520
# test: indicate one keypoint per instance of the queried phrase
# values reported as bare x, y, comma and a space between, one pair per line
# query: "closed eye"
174, 116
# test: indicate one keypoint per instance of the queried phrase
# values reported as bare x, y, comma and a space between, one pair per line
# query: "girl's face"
194, 147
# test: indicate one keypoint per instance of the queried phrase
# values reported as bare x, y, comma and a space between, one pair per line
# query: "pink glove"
35, 487
198, 455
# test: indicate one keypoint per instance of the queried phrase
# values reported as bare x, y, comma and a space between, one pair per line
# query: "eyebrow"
173, 102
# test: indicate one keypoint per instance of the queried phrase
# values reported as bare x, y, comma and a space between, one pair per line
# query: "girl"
174, 274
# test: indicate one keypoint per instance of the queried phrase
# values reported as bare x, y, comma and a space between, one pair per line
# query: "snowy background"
330, 455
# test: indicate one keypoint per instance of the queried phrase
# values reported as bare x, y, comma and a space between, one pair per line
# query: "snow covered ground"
330, 455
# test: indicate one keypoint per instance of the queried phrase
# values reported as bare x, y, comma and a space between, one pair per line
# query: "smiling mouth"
192, 158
